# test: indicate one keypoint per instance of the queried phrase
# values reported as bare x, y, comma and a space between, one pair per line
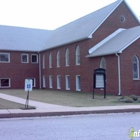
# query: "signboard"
99, 80
28, 84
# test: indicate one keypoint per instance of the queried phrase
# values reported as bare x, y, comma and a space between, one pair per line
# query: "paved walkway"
44, 109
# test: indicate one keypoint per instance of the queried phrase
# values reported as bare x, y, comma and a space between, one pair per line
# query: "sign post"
28, 87
99, 80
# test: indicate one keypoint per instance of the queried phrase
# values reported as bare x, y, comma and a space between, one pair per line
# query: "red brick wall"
129, 86
85, 69
17, 71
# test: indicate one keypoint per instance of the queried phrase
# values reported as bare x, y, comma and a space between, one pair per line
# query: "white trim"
44, 81
50, 81
58, 82
67, 82
8, 58
105, 40
36, 58
43, 61
90, 35
120, 51
50, 60
5, 86
27, 57
78, 83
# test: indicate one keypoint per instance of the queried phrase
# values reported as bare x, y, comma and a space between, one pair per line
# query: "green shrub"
134, 97
129, 100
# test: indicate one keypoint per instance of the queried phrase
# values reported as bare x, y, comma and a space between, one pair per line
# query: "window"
50, 60
77, 55
103, 63
67, 79
34, 58
33, 82
5, 57
122, 18
50, 82
78, 83
44, 81
43, 61
58, 82
24, 58
4, 82
58, 58
67, 57
135, 67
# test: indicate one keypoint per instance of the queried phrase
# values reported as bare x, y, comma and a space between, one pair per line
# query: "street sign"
28, 84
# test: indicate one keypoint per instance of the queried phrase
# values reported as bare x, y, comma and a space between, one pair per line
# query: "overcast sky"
50, 14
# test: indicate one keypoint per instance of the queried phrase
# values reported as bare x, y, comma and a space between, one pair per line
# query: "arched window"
58, 58
50, 60
43, 61
135, 67
67, 57
77, 55
103, 63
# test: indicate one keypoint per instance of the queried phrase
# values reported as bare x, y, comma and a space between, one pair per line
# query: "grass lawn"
67, 98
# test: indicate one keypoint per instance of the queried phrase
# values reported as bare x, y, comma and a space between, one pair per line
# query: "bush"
129, 100
138, 100
134, 97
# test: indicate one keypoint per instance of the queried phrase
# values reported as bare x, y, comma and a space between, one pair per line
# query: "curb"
45, 114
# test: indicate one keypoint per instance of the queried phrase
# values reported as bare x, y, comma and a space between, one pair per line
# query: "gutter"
119, 75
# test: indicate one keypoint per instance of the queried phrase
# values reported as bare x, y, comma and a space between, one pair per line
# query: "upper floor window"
5, 57
67, 57
77, 55
50, 60
103, 63
43, 61
135, 67
24, 58
58, 58
34, 58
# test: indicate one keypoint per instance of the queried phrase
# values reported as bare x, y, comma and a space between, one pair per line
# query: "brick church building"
65, 58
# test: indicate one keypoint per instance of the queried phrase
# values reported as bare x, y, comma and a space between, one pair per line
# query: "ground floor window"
4, 82
50, 82
44, 81
58, 82
78, 83
33, 82
67, 79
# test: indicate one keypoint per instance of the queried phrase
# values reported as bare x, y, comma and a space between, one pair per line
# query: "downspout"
39, 71
119, 75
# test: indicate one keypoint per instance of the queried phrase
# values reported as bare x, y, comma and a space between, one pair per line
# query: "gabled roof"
118, 43
80, 29
22, 39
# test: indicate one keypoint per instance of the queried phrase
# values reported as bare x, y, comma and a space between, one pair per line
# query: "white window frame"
43, 61
26, 56
44, 81
137, 78
50, 81
77, 55
58, 58
50, 60
58, 82
5, 86
36, 58
78, 83
8, 54
103, 63
67, 81
67, 57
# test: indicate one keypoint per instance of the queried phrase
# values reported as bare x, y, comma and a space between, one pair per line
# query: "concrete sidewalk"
44, 109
